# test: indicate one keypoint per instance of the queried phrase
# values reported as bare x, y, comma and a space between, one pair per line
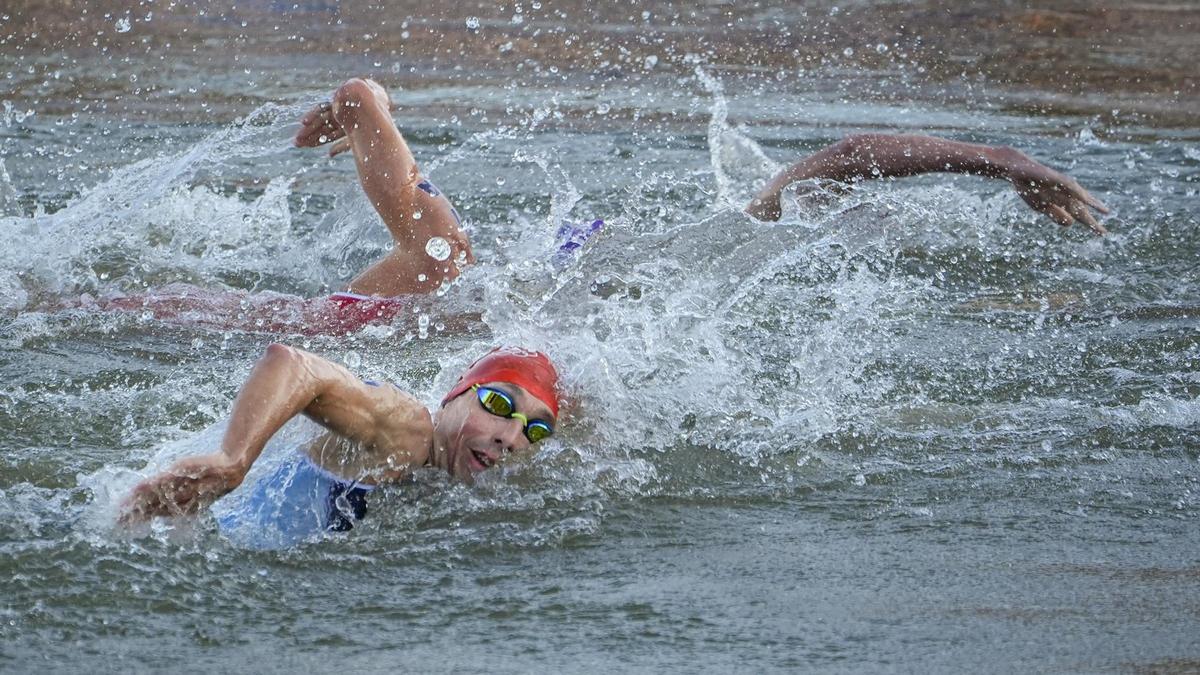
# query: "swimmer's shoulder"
405, 434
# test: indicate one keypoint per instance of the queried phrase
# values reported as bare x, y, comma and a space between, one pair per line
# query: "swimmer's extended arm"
284, 383
359, 118
867, 156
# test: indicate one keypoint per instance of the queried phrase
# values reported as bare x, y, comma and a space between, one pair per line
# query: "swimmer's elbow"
354, 91
279, 352
349, 99
302, 375
281, 357
285, 364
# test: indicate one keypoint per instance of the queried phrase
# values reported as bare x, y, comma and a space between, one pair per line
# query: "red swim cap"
532, 371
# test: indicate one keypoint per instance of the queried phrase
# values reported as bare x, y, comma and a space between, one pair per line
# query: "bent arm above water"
867, 156
285, 382
415, 213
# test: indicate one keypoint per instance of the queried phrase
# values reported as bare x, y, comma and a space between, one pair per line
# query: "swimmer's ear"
339, 147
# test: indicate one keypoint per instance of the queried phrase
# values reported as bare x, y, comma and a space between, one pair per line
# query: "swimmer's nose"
512, 436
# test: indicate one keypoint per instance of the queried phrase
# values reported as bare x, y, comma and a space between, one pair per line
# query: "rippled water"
912, 425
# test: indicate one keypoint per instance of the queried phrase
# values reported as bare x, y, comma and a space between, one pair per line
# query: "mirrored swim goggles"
501, 404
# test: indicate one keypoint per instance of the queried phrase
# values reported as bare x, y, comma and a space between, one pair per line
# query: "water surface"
913, 427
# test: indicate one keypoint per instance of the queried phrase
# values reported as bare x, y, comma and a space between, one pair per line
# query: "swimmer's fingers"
1036, 197
320, 111
1069, 198
318, 127
339, 147
171, 494
311, 138
1064, 202
141, 505
1058, 214
765, 207
1082, 214
1086, 197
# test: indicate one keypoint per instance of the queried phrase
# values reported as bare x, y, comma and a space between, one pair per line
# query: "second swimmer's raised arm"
867, 156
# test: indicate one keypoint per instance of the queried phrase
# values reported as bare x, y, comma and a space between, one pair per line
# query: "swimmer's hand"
765, 206
190, 485
1052, 193
320, 124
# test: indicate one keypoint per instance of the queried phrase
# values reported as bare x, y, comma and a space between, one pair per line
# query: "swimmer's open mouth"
483, 459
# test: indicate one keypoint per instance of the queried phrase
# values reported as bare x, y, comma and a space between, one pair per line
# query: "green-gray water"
917, 427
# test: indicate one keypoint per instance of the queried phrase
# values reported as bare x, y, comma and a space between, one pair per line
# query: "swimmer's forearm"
868, 156
381, 155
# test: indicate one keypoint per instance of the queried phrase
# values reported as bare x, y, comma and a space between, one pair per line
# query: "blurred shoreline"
1067, 56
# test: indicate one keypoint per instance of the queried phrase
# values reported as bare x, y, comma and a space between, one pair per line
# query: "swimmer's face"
474, 439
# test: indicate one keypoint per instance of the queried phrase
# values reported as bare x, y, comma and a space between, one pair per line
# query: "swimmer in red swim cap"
505, 403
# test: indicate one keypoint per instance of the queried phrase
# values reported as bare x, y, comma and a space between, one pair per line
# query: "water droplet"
881, 48
352, 359
123, 25
848, 51
473, 22
438, 248
421, 278
423, 326
499, 180
416, 215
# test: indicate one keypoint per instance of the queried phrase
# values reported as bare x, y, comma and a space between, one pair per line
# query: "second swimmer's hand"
765, 206
1052, 193
318, 127
184, 489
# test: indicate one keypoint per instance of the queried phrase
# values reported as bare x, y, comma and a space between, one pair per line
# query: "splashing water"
916, 370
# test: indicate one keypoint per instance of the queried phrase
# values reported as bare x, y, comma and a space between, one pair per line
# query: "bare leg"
412, 209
